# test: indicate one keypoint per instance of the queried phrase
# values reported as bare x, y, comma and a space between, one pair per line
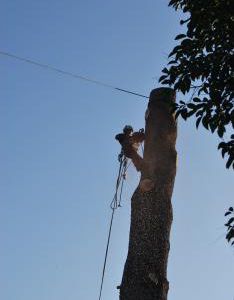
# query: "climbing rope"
115, 203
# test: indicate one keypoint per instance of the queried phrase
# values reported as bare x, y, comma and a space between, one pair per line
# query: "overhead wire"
116, 202
74, 75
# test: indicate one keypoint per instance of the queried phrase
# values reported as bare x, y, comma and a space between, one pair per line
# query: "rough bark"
145, 271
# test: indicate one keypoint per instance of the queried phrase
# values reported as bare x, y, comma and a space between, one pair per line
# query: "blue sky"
59, 156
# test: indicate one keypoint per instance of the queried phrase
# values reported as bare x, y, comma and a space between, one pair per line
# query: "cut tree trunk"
145, 271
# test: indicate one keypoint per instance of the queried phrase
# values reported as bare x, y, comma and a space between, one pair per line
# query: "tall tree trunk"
145, 271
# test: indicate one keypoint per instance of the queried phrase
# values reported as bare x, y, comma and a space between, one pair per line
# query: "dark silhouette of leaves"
230, 226
202, 62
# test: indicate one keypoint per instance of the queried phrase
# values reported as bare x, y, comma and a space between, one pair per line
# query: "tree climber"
130, 142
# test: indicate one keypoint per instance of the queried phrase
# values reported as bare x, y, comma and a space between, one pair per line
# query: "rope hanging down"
115, 203
49, 67
130, 142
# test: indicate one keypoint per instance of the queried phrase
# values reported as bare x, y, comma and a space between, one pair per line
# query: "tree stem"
145, 271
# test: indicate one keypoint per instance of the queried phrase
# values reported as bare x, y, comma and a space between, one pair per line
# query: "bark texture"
145, 271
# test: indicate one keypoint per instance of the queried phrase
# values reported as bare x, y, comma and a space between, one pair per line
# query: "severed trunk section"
145, 271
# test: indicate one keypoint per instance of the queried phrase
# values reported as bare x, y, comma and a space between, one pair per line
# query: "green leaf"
221, 145
213, 126
199, 113
172, 62
198, 122
191, 105
186, 43
230, 221
221, 131
162, 78
196, 99
184, 114
180, 36
175, 50
230, 235
166, 81
223, 152
172, 2
165, 70
184, 21
229, 162
190, 113
205, 122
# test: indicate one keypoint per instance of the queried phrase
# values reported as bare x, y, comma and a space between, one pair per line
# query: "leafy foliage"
202, 62
230, 226
227, 148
